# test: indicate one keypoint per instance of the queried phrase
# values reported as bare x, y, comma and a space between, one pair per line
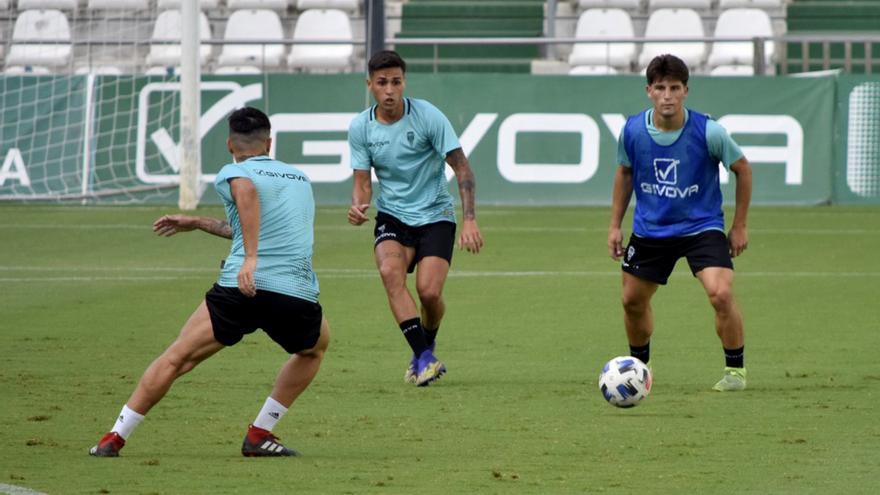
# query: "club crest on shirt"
410, 137
381, 228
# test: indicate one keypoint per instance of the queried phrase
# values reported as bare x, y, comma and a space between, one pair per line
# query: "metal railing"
804, 62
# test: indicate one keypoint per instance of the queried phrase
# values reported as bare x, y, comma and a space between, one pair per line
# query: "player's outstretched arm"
168, 225
470, 238
361, 194
738, 237
620, 197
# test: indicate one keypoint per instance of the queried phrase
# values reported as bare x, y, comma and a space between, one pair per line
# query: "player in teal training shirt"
669, 158
408, 142
266, 282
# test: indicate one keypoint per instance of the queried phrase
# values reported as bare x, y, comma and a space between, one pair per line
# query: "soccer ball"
625, 381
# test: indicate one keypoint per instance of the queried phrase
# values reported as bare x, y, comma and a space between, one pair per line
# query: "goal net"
90, 101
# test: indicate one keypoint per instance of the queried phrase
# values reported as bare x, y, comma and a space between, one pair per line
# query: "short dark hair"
663, 66
385, 59
249, 122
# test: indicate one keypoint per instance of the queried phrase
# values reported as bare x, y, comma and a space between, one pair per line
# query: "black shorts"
433, 239
294, 323
653, 259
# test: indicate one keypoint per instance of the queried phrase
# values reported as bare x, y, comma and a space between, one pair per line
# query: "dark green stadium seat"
837, 17
471, 19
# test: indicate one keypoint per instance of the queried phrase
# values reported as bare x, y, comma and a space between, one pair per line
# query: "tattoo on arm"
466, 183
218, 227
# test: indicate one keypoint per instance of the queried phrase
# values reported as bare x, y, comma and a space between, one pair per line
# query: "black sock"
431, 335
643, 352
414, 335
733, 358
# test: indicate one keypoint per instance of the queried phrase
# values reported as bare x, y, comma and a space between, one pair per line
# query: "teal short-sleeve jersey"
287, 213
721, 145
409, 158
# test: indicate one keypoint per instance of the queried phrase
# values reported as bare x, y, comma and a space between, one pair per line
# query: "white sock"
271, 412
127, 422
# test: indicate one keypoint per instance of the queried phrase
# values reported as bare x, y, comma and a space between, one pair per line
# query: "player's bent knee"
633, 304
430, 296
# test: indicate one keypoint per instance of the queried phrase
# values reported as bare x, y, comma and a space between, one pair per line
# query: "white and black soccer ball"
625, 381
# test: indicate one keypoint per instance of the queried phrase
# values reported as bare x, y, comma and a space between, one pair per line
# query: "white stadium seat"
740, 23
18, 70
318, 24
755, 4
100, 70
168, 27
609, 4
238, 69
163, 71
175, 4
49, 25
679, 4
47, 4
348, 5
597, 23
733, 70
118, 5
253, 24
674, 23
257, 4
592, 70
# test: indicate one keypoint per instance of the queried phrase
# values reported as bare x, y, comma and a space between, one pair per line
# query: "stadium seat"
49, 25
253, 24
597, 23
280, 5
169, 71
21, 70
348, 5
740, 23
733, 70
99, 70
679, 4
175, 4
118, 5
47, 4
316, 24
238, 69
168, 27
674, 23
609, 4
755, 4
592, 70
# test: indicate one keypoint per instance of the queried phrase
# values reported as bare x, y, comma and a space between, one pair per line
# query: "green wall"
530, 139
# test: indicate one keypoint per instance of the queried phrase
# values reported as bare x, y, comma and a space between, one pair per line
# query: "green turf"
90, 297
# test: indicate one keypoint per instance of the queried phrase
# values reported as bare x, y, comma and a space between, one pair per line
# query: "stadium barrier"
532, 140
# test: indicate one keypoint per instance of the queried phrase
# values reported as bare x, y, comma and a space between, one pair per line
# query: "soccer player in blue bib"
408, 142
669, 156
266, 282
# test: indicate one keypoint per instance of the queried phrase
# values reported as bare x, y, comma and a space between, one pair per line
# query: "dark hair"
663, 66
249, 122
385, 59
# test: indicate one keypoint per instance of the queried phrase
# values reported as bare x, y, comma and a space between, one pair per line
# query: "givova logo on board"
509, 130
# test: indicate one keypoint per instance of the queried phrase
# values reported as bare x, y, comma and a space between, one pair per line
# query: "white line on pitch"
349, 274
18, 490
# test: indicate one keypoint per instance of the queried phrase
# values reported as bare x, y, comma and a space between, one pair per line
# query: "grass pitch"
90, 296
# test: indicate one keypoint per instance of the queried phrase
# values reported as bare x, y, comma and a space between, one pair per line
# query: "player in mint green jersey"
669, 157
407, 142
266, 282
